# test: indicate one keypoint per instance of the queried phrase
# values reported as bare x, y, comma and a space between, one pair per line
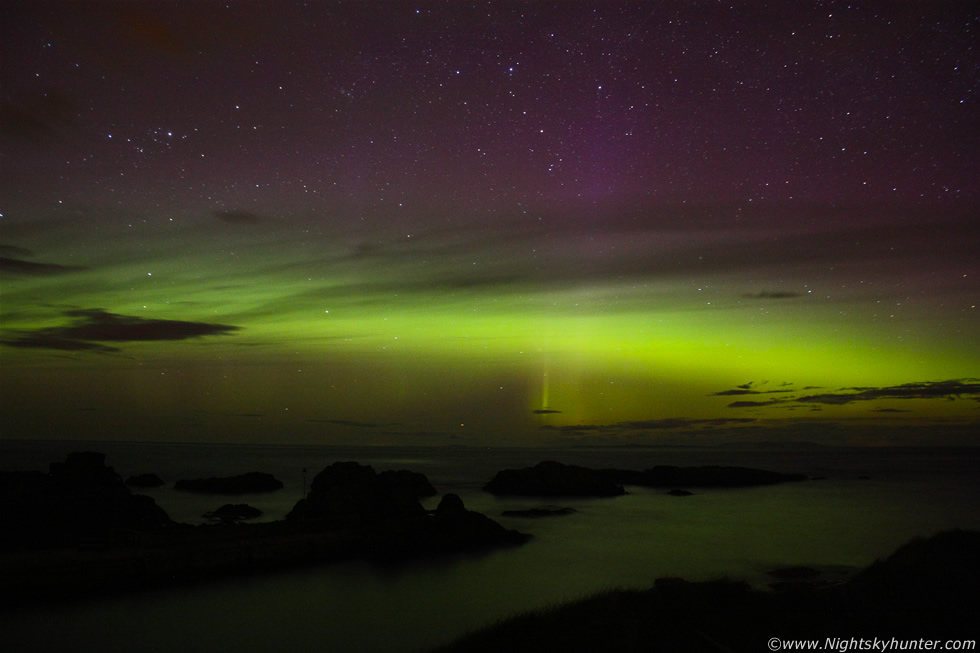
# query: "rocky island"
233, 512
79, 501
554, 479
384, 510
78, 530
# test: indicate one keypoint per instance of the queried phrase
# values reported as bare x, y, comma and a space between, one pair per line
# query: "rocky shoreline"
554, 479
921, 595
79, 531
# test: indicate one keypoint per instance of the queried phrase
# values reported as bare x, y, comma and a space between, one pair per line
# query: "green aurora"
475, 335
506, 223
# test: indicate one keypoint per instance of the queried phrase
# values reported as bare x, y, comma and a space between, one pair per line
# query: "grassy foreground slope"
927, 589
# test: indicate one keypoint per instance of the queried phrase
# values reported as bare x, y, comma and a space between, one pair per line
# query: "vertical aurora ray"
545, 386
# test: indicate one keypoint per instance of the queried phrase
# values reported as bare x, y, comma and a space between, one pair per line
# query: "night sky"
490, 222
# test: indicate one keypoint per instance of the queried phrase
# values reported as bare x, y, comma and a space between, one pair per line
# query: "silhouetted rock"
677, 492
538, 512
82, 507
388, 519
84, 469
450, 507
925, 587
77, 500
412, 482
553, 479
549, 479
941, 571
459, 529
241, 484
232, 512
348, 493
144, 480
707, 476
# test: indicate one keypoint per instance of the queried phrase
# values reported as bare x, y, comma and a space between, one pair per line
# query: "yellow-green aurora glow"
468, 335
512, 223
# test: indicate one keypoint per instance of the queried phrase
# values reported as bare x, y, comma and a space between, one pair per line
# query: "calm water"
838, 524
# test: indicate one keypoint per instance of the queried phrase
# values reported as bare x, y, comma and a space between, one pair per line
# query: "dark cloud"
94, 326
682, 422
13, 250
755, 404
744, 390
950, 389
50, 341
772, 294
575, 428
29, 268
238, 217
544, 411
651, 424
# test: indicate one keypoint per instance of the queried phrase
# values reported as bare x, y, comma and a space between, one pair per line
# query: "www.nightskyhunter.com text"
843, 645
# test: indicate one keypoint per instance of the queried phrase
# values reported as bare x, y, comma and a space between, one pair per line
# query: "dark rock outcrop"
942, 570
923, 588
553, 479
677, 492
240, 484
144, 480
414, 483
384, 514
348, 493
458, 529
78, 500
232, 512
83, 507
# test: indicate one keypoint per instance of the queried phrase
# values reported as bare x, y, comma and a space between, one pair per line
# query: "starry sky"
480, 223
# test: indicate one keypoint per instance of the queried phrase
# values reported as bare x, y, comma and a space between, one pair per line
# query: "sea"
859, 506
